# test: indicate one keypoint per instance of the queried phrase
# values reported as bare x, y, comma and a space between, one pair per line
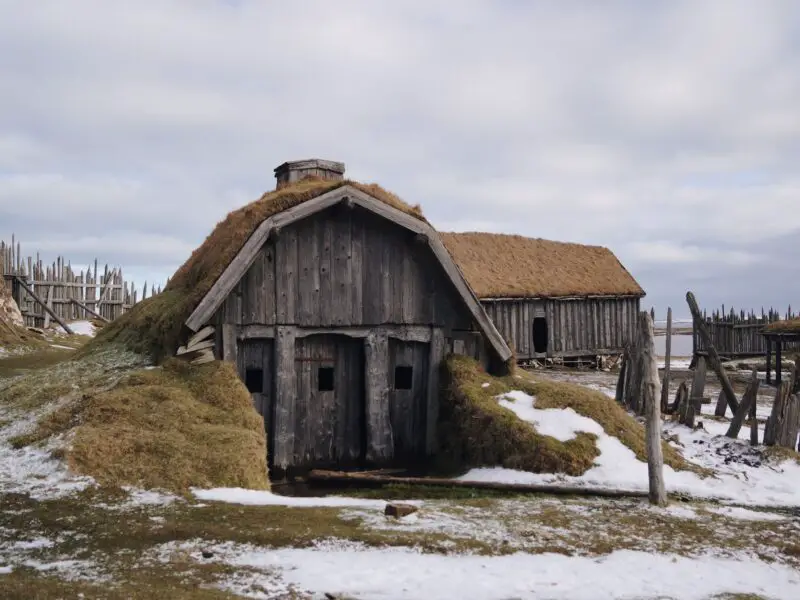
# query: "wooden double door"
329, 427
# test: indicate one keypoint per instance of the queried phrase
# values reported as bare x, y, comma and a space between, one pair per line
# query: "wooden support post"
436, 356
778, 366
57, 319
748, 401
89, 310
623, 371
380, 441
651, 389
667, 358
713, 357
754, 424
694, 402
784, 421
722, 405
769, 361
49, 305
285, 397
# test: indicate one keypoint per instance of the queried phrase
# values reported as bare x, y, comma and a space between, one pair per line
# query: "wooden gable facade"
338, 313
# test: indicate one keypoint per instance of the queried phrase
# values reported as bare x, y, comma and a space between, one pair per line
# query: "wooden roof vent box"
296, 170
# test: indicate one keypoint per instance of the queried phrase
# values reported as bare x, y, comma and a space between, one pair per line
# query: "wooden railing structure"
738, 334
97, 292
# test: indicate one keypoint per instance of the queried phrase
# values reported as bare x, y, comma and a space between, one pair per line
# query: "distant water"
681, 345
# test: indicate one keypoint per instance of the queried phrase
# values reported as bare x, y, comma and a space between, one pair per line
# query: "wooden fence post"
651, 389
713, 357
667, 358
748, 402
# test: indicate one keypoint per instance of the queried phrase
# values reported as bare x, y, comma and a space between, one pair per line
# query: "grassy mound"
154, 326
784, 326
476, 431
170, 428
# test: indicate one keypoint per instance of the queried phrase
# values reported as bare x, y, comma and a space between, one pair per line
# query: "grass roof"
155, 325
785, 326
513, 266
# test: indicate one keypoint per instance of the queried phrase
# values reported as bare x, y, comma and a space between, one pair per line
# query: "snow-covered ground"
744, 482
79, 328
353, 570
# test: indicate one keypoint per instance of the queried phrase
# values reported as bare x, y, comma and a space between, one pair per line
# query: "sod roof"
513, 266
790, 326
154, 325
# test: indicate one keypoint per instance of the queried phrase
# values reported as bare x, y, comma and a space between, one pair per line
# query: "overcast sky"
667, 131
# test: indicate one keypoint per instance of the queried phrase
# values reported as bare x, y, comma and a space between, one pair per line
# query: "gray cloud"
669, 132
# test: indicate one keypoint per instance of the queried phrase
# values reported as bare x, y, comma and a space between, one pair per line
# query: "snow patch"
752, 482
264, 498
403, 573
562, 424
80, 328
737, 512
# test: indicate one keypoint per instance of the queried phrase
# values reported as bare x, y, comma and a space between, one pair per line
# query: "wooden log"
651, 388
366, 478
722, 405
49, 301
778, 366
713, 357
57, 319
667, 358
380, 438
620, 393
693, 403
89, 310
783, 423
754, 424
748, 401
681, 397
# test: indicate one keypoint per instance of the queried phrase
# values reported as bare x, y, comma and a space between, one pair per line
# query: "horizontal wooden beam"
406, 333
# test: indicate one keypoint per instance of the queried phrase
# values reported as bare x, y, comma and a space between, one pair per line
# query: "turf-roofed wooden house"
550, 299
338, 305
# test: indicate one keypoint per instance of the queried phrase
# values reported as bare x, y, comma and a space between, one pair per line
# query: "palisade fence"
738, 334
70, 294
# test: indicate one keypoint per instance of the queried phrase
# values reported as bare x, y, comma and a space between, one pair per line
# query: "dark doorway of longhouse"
540, 335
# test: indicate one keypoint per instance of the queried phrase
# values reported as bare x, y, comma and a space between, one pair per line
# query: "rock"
207, 554
399, 510
9, 311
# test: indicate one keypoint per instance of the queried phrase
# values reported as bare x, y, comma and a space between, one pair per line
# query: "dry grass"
515, 266
155, 325
785, 326
169, 428
613, 418
477, 431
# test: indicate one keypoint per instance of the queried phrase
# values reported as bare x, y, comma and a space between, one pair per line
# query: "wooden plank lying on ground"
356, 477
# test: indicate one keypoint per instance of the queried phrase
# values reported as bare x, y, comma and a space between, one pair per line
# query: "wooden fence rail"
69, 294
738, 334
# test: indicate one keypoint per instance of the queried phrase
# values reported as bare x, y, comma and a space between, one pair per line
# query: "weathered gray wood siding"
579, 327
329, 425
408, 407
345, 267
348, 289
259, 354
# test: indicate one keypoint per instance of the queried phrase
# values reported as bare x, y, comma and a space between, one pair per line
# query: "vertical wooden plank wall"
739, 334
576, 327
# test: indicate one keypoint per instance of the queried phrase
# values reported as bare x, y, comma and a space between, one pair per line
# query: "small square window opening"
403, 377
325, 379
254, 380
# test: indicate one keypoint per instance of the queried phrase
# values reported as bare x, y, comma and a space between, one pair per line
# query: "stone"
399, 510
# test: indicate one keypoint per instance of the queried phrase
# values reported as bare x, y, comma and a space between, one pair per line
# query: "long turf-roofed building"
550, 299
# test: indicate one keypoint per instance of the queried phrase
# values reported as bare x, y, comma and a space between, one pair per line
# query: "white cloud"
664, 132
